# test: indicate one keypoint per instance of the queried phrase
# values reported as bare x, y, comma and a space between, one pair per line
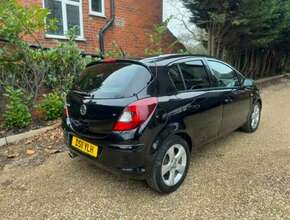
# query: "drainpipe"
105, 28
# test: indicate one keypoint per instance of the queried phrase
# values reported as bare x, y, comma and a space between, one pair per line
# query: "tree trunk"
209, 39
246, 61
263, 65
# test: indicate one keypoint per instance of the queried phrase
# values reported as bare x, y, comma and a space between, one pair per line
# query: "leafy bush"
20, 65
156, 38
17, 113
57, 68
52, 105
65, 63
17, 20
116, 51
28, 68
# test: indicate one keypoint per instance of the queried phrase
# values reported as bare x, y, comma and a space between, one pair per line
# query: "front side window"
97, 7
226, 76
68, 14
195, 75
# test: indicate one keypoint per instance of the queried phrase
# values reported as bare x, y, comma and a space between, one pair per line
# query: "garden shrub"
115, 52
30, 68
65, 64
156, 38
56, 68
20, 65
17, 113
52, 105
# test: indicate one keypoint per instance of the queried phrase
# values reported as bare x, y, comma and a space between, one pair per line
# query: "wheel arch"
174, 129
259, 100
187, 138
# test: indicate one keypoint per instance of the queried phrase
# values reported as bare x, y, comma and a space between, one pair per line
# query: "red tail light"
65, 111
136, 114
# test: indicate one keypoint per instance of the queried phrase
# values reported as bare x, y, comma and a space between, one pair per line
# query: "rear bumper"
127, 159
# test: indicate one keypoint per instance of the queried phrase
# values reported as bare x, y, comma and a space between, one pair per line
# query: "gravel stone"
242, 176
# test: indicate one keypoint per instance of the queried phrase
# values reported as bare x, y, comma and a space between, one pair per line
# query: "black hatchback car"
144, 117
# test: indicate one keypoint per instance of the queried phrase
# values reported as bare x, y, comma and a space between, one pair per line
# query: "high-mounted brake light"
109, 60
65, 111
136, 114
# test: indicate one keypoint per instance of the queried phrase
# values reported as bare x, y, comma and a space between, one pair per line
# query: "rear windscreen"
113, 80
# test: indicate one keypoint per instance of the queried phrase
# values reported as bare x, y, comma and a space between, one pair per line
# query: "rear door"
103, 91
202, 108
236, 99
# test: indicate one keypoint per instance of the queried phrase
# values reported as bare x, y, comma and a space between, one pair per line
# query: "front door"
236, 100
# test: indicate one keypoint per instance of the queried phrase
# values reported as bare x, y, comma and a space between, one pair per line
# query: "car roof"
166, 59
162, 60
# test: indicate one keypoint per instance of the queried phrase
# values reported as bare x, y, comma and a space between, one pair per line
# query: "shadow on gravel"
117, 181
111, 180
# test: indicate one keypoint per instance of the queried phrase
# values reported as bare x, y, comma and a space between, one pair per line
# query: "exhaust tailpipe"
72, 155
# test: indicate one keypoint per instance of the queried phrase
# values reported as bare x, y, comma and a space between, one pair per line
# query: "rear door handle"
228, 100
239, 92
193, 106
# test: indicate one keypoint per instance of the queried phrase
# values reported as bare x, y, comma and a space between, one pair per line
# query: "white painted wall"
180, 19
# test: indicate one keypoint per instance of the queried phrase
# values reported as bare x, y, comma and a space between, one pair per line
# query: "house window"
68, 14
97, 7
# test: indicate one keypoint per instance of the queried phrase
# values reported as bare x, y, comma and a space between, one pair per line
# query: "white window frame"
96, 13
64, 20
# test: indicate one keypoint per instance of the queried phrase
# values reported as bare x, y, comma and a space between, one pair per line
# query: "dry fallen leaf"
30, 152
12, 155
28, 142
53, 151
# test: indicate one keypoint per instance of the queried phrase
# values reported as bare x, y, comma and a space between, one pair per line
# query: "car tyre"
253, 120
170, 165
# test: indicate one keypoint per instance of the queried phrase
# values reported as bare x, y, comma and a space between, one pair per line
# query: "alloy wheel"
174, 165
255, 117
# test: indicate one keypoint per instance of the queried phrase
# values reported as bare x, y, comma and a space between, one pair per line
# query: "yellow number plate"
85, 147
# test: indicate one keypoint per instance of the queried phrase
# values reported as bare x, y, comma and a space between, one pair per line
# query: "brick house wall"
134, 18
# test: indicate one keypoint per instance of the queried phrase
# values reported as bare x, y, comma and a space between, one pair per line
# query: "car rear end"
107, 115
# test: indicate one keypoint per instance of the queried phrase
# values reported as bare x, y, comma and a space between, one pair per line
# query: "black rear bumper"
127, 159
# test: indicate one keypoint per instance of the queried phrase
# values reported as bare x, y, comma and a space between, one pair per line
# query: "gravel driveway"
243, 176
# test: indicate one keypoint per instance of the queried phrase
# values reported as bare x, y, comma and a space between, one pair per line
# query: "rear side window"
195, 75
114, 80
175, 78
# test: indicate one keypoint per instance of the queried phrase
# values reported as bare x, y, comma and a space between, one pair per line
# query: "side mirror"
249, 83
